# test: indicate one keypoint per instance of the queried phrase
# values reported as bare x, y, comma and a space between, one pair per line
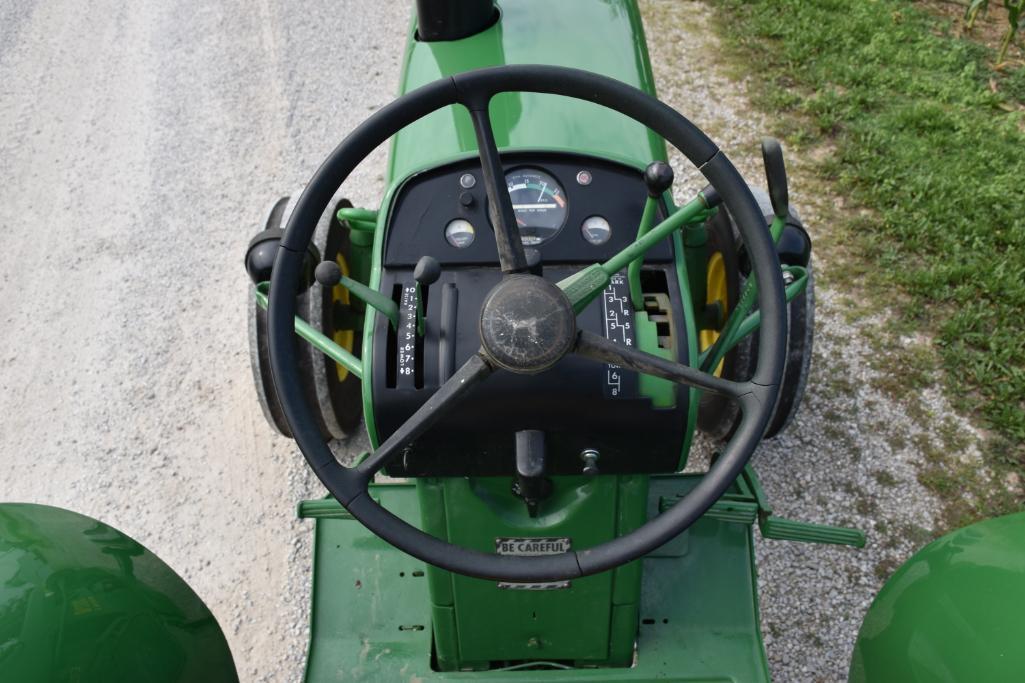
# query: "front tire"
334, 393
339, 316
719, 417
800, 336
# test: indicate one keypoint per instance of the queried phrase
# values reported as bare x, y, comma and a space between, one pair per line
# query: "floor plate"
699, 618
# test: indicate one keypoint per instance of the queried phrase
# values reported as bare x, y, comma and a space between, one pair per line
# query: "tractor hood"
610, 42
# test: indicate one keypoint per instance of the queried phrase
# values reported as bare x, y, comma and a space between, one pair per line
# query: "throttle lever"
426, 273
776, 176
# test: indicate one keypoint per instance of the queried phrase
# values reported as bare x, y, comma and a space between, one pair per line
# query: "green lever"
752, 321
360, 220
789, 530
329, 274
658, 178
584, 286
633, 271
781, 529
738, 315
323, 508
748, 504
315, 337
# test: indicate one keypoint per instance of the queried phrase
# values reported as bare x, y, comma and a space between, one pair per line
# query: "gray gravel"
141, 144
140, 147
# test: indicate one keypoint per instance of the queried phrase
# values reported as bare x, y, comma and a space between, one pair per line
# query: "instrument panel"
572, 208
575, 211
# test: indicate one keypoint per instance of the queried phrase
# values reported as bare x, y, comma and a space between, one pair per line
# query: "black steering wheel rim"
474, 90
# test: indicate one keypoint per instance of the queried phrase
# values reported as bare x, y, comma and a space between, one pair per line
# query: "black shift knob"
658, 176
427, 270
328, 273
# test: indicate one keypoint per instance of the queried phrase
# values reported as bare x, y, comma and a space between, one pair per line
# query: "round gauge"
460, 233
539, 203
596, 230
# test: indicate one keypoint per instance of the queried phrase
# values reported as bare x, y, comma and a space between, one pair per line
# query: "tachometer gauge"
539, 203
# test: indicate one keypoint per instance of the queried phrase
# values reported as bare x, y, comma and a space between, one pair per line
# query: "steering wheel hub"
527, 324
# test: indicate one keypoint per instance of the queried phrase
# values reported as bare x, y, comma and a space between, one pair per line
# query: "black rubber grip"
776, 175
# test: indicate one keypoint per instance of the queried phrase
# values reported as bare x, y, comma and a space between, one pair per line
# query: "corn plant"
972, 13
1015, 10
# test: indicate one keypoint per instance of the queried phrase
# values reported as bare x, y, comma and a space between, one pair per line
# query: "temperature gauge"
596, 230
460, 233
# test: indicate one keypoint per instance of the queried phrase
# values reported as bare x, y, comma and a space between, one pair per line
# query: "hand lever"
531, 484
776, 176
329, 274
658, 178
426, 273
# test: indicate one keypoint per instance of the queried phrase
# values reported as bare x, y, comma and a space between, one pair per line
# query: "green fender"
954, 612
80, 601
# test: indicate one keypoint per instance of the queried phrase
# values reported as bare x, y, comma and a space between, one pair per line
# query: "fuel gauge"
596, 230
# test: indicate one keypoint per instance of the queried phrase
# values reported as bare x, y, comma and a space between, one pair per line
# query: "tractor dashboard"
575, 211
444, 212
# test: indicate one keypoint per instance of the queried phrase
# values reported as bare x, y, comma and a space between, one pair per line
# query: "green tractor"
532, 331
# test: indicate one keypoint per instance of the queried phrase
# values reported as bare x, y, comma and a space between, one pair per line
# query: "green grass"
936, 157
921, 140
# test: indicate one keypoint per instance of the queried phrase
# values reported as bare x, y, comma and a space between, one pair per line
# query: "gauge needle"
542, 192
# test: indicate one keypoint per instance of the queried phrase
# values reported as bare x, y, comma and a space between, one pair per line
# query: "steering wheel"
528, 323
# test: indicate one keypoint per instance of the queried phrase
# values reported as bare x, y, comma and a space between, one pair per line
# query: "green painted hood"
80, 602
954, 612
610, 41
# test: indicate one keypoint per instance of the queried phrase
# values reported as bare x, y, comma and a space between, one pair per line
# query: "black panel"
429, 200
568, 402
571, 402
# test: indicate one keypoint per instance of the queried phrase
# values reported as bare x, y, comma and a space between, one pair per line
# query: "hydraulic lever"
531, 484
658, 177
329, 274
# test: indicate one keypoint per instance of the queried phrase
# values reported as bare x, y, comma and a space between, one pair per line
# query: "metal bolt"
590, 458
466, 181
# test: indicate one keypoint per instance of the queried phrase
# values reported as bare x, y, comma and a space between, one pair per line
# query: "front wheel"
801, 333
719, 418
334, 392
717, 415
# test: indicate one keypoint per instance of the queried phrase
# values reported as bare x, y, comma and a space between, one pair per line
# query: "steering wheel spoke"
503, 217
599, 348
473, 372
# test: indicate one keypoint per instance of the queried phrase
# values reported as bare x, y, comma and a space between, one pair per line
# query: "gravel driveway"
140, 146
